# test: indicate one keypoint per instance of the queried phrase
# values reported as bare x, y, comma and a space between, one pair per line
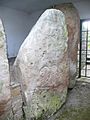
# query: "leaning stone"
5, 96
73, 26
41, 66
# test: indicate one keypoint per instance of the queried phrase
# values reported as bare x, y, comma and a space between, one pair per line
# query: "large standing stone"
73, 26
41, 66
5, 97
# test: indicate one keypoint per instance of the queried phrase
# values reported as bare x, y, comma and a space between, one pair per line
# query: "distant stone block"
73, 26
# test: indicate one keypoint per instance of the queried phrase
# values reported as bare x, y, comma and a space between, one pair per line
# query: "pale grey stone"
5, 96
41, 66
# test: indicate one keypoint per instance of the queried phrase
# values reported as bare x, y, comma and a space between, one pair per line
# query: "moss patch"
75, 114
1, 86
44, 104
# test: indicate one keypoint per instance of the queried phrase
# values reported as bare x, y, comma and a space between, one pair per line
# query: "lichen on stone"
75, 114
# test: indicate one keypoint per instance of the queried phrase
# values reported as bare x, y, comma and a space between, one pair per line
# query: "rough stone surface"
41, 66
5, 96
16, 95
77, 106
73, 26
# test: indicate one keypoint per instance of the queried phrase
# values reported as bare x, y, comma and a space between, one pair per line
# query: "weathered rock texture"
41, 66
16, 96
5, 97
77, 106
73, 26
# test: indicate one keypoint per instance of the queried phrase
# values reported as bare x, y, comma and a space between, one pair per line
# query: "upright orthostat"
42, 66
5, 97
73, 26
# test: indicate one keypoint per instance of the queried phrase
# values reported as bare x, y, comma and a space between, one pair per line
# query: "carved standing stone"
41, 66
5, 97
73, 26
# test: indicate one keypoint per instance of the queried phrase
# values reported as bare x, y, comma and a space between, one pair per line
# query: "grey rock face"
5, 97
41, 66
73, 26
